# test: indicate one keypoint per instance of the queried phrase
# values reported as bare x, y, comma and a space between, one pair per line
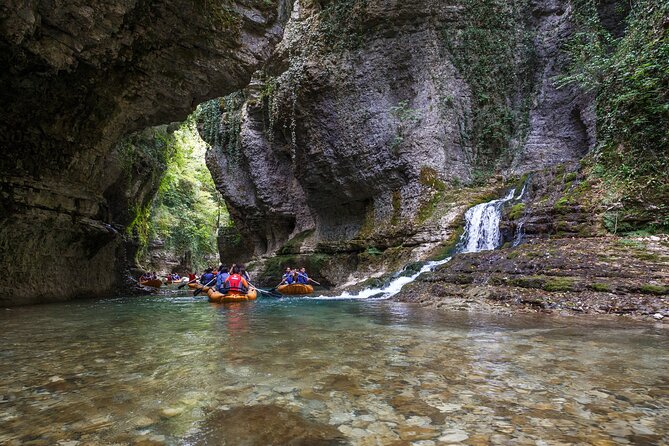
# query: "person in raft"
244, 273
144, 277
235, 283
221, 276
288, 278
303, 278
207, 277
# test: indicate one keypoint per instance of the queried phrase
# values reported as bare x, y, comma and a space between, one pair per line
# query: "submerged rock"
266, 425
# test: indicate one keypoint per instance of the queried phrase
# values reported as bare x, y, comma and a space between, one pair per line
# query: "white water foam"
481, 234
389, 290
482, 225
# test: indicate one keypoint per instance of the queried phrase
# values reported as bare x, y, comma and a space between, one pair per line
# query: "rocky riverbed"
315, 372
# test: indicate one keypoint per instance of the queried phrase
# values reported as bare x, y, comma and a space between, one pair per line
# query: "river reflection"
178, 370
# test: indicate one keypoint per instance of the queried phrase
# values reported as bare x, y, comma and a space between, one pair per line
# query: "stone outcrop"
604, 275
370, 114
77, 77
557, 257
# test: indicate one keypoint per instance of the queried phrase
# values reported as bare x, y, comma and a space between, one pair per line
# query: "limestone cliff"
78, 76
371, 115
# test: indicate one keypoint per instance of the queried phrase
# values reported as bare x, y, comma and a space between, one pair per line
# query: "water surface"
178, 370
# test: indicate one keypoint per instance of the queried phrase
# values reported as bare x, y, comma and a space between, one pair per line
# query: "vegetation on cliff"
630, 75
187, 210
494, 52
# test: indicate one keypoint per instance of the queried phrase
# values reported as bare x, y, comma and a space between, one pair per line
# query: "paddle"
270, 292
186, 283
317, 283
199, 290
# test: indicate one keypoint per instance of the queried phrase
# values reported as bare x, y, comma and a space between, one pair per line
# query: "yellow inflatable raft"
218, 297
295, 288
198, 286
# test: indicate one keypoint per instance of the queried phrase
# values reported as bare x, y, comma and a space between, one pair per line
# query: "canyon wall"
79, 76
372, 117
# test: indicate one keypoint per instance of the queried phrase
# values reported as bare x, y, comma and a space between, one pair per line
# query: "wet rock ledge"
598, 275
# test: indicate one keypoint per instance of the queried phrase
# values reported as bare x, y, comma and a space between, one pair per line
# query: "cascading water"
481, 234
482, 225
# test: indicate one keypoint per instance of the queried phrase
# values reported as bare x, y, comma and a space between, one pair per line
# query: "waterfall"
482, 225
519, 235
481, 234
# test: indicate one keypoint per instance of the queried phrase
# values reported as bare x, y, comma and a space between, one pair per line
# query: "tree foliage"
188, 209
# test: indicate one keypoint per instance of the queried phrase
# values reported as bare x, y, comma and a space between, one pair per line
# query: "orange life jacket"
235, 284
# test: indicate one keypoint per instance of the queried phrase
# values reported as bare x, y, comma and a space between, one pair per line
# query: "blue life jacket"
206, 278
220, 278
302, 278
289, 278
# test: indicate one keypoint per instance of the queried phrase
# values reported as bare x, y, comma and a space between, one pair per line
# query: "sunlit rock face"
78, 76
369, 113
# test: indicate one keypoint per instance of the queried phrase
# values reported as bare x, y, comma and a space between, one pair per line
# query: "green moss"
571, 177
368, 225
631, 243
563, 201
373, 251
427, 209
583, 188
448, 247
528, 282
430, 178
602, 287
520, 182
516, 211
513, 254
654, 289
650, 256
559, 284
140, 227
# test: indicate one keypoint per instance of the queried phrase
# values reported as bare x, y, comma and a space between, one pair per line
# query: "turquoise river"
173, 369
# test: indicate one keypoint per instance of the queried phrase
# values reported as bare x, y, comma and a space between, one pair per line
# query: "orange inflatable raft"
295, 289
218, 297
155, 283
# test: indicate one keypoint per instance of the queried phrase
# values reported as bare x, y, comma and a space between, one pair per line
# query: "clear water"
178, 370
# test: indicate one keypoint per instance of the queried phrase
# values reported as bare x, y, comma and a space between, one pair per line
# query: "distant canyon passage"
356, 120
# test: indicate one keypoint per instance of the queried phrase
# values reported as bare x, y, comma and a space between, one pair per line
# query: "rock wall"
77, 77
370, 116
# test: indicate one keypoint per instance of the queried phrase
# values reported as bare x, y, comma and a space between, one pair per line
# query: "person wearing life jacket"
221, 276
302, 276
207, 277
235, 283
288, 278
